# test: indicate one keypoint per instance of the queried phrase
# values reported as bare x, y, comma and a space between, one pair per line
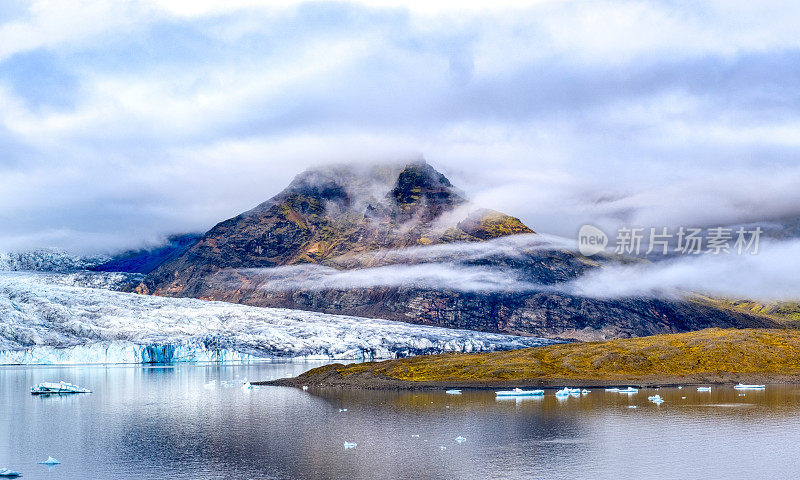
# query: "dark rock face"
330, 212
539, 314
343, 219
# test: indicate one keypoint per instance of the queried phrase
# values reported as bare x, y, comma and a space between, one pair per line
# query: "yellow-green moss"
749, 351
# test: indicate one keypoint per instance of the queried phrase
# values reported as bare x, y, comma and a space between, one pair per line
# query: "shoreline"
328, 377
705, 357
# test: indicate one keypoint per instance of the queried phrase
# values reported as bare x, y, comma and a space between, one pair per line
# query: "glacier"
77, 318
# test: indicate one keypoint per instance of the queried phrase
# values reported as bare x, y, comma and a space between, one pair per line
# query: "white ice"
49, 318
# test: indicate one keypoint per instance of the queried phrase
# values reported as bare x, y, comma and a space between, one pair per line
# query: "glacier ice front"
51, 319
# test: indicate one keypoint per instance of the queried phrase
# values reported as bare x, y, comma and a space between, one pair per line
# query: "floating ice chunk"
631, 406
680, 387
48, 388
453, 392
460, 439
612, 389
348, 445
683, 398
629, 390
442, 448
50, 461
584, 391
518, 392
564, 392
414, 436
703, 389
342, 410
6, 473
749, 387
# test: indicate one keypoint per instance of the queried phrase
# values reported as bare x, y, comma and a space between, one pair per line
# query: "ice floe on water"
48, 318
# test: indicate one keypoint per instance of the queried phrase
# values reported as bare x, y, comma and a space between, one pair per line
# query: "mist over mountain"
401, 242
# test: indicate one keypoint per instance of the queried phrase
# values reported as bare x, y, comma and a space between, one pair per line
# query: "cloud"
121, 122
771, 274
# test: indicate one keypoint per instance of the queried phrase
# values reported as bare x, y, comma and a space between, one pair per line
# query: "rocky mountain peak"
338, 210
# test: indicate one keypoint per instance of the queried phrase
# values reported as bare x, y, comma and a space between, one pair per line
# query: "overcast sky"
121, 122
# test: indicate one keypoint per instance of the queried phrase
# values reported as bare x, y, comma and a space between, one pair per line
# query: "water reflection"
162, 421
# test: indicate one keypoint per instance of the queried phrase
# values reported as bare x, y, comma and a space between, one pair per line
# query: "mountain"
400, 242
146, 260
48, 260
329, 212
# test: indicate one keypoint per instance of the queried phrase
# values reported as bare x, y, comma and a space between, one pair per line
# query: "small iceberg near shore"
612, 389
585, 392
349, 445
48, 388
453, 392
656, 399
518, 392
460, 439
703, 389
6, 473
629, 390
50, 461
749, 387
564, 392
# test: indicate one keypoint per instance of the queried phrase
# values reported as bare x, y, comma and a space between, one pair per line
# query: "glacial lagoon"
195, 421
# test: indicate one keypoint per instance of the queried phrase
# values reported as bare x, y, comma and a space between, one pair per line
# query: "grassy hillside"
707, 355
787, 313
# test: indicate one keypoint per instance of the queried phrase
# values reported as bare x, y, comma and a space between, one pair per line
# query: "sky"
125, 121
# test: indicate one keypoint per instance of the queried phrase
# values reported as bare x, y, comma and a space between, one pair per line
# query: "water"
161, 422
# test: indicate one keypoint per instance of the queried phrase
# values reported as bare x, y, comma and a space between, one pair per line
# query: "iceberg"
50, 461
584, 391
564, 392
703, 389
628, 390
460, 439
50, 388
749, 387
49, 318
453, 392
6, 473
518, 392
348, 445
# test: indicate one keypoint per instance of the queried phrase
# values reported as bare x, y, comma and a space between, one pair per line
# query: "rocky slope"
329, 212
402, 243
